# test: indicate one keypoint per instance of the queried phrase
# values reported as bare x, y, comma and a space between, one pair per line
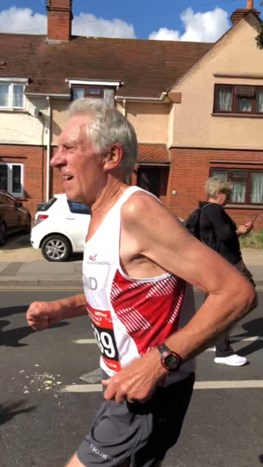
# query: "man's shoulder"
140, 200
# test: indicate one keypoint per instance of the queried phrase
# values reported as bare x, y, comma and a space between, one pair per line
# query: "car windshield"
78, 208
47, 205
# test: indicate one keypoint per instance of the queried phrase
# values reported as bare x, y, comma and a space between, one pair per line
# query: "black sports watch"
170, 360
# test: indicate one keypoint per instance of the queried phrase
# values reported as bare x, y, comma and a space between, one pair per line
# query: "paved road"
18, 248
41, 424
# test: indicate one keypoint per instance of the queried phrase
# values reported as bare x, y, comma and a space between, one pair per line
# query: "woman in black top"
220, 233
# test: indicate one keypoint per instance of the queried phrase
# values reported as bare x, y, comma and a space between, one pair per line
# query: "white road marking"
199, 385
245, 384
246, 339
82, 388
84, 341
233, 339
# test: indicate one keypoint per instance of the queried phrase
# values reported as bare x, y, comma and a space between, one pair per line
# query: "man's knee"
74, 462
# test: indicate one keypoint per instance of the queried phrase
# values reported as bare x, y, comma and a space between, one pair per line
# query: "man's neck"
108, 195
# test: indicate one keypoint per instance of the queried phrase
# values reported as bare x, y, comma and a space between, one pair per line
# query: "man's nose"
57, 158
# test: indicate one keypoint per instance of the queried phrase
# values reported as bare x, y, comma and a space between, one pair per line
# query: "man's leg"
74, 462
223, 347
225, 355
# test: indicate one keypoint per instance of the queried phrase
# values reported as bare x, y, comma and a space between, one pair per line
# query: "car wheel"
56, 248
2, 234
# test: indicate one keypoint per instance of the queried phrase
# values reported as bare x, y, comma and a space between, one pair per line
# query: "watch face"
171, 362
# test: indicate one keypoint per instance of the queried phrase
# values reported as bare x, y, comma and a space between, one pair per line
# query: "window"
247, 185
95, 92
238, 99
78, 208
12, 95
11, 176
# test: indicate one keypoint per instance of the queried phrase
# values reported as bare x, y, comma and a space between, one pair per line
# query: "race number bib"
101, 323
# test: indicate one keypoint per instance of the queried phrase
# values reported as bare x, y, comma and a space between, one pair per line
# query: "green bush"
252, 240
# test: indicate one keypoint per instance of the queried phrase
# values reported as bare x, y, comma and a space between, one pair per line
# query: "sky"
192, 20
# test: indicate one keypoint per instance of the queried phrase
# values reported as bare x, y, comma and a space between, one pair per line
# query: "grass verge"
252, 240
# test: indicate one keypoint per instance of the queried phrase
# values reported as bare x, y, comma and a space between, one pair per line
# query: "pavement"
23, 266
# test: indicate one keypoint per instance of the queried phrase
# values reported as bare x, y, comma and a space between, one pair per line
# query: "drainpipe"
124, 107
48, 150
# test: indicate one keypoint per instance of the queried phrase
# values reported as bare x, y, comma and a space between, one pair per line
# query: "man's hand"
41, 315
136, 381
245, 228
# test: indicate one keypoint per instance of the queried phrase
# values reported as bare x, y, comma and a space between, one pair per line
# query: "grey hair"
215, 185
109, 127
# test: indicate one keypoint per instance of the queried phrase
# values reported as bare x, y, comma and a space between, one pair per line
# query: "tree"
259, 37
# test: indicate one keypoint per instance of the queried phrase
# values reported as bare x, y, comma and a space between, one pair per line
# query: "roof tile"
147, 67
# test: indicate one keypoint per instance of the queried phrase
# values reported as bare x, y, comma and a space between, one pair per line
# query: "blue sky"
196, 20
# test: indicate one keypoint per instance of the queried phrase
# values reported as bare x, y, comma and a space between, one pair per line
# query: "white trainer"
231, 360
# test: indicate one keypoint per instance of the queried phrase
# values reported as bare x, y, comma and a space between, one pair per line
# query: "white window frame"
102, 85
11, 83
10, 179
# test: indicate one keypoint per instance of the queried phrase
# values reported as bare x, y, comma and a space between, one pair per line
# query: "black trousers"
223, 347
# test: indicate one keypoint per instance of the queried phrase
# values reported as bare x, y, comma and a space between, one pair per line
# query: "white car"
60, 228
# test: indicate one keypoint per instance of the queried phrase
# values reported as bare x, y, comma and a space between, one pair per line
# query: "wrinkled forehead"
76, 129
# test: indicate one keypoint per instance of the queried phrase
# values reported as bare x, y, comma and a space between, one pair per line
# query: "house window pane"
219, 173
259, 101
3, 177
244, 104
224, 99
238, 179
256, 195
4, 92
94, 91
16, 179
109, 97
77, 93
18, 95
238, 194
11, 178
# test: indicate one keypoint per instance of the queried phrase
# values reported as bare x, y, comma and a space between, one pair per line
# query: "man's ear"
113, 157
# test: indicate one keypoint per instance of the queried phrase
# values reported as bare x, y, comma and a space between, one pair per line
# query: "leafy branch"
259, 37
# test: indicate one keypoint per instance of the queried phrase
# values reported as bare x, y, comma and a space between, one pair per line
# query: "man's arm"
158, 236
41, 315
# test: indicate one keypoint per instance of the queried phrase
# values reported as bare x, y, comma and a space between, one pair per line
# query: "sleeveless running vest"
129, 316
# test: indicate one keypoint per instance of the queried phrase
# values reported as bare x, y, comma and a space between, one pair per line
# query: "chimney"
59, 20
240, 13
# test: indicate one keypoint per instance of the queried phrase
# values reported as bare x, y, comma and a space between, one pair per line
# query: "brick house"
197, 108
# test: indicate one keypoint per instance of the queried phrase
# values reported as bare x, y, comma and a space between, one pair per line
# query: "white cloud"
89, 25
23, 20
198, 27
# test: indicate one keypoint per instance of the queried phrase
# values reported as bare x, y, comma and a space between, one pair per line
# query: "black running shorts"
140, 433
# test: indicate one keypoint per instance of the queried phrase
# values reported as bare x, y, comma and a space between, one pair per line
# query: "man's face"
80, 166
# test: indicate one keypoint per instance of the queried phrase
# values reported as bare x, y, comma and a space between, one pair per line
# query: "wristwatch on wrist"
170, 360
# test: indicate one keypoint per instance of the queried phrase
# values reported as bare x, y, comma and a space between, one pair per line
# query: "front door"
148, 178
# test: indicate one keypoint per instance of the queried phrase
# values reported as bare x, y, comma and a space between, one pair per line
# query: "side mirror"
18, 204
